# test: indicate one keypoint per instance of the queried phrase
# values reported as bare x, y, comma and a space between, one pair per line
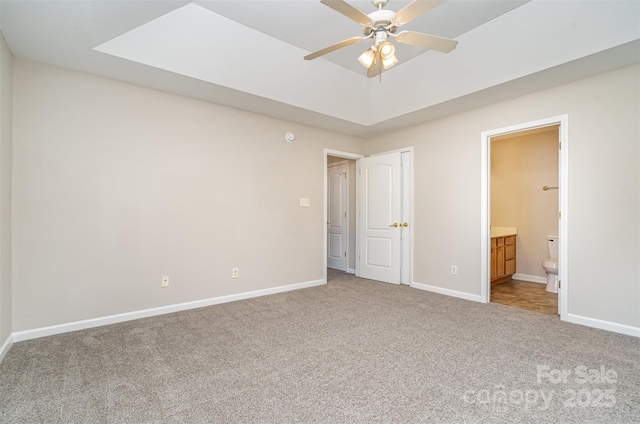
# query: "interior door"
380, 217
337, 215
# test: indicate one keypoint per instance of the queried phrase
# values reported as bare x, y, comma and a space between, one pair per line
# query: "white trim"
485, 207
447, 292
345, 155
345, 199
604, 325
485, 214
351, 271
357, 258
340, 154
530, 278
401, 150
6, 346
411, 215
563, 243
129, 316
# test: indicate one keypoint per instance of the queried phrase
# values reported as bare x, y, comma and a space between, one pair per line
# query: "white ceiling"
249, 54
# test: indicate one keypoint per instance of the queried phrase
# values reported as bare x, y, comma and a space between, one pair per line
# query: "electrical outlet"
454, 269
165, 281
234, 272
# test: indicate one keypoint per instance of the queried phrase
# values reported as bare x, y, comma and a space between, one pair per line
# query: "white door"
380, 217
337, 217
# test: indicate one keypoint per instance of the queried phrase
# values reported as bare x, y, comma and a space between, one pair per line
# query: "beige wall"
6, 107
116, 185
603, 184
520, 167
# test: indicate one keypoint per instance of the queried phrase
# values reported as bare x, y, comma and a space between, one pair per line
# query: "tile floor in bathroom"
525, 295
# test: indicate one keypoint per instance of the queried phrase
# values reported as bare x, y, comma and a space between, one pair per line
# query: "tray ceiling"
248, 54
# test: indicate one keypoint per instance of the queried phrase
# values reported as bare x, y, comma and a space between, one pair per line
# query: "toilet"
550, 264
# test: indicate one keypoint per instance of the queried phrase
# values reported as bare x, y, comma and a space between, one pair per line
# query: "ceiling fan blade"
349, 11
376, 67
414, 9
336, 46
427, 41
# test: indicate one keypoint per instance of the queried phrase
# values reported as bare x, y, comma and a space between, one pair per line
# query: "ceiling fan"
381, 25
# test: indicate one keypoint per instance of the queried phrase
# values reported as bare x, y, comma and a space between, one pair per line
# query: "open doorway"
499, 252
383, 201
341, 214
524, 219
346, 246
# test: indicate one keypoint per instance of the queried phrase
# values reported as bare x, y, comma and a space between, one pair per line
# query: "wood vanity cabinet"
503, 259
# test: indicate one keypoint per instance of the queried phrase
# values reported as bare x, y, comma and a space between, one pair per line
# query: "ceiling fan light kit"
389, 62
382, 24
387, 50
367, 57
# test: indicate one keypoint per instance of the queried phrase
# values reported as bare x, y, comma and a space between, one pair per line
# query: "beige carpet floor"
353, 350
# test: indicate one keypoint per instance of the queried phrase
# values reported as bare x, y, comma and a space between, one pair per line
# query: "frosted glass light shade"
366, 58
387, 50
389, 62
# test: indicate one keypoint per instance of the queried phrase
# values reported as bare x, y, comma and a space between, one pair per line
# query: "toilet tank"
552, 246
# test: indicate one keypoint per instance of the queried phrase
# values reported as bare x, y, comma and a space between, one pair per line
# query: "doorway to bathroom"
524, 198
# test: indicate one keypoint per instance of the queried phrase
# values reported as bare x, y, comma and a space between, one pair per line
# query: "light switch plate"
304, 202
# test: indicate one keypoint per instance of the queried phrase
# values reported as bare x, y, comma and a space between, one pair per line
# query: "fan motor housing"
382, 19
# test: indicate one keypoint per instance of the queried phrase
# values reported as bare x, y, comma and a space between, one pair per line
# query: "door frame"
563, 206
344, 155
345, 202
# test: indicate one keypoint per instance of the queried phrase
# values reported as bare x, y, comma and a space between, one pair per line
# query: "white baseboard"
6, 346
604, 325
530, 278
128, 316
447, 292
351, 271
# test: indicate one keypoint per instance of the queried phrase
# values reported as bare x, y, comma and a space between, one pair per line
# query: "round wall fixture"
289, 137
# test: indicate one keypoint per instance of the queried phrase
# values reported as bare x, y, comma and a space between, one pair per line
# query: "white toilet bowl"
550, 266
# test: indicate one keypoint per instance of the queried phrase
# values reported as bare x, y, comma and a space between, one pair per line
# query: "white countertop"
503, 231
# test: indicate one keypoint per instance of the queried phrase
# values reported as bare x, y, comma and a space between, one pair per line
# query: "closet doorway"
342, 189
379, 242
340, 217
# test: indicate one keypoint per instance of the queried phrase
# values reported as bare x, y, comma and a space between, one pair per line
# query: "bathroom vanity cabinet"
503, 259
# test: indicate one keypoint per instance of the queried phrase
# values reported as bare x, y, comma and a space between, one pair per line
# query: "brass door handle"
395, 224
405, 224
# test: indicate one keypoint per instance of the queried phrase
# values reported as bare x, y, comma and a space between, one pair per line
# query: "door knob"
405, 224
395, 224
